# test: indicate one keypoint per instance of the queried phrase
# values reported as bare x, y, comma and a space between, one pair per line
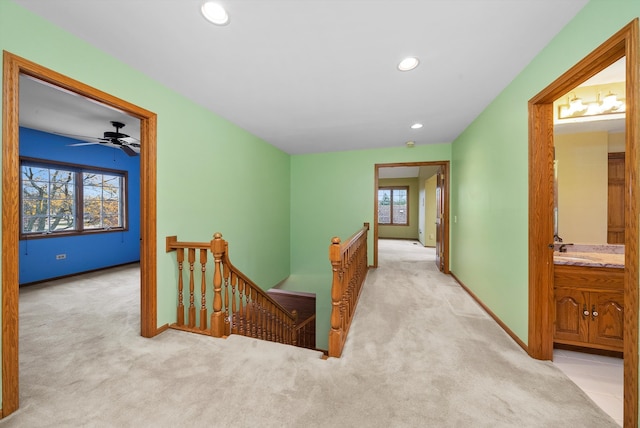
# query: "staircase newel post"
217, 317
335, 334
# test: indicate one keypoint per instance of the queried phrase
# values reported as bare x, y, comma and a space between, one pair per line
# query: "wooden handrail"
239, 305
305, 332
349, 263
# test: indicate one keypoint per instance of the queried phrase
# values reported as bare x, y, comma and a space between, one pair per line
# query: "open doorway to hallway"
411, 201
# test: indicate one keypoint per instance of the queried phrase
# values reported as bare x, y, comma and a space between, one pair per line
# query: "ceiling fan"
116, 140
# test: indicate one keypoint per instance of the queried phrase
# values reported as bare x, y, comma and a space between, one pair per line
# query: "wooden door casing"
625, 44
13, 67
440, 212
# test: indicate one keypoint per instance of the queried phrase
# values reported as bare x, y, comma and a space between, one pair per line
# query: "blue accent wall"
84, 252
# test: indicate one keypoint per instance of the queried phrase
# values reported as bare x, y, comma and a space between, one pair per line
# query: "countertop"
592, 259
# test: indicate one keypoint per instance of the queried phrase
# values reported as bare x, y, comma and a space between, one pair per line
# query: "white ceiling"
313, 76
407, 171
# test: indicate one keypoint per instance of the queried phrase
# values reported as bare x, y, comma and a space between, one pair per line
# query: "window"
60, 198
393, 206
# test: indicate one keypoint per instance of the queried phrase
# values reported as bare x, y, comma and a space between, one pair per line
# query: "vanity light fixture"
409, 63
576, 108
214, 13
416, 126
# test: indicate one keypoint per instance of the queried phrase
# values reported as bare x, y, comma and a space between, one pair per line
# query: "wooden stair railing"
239, 305
349, 263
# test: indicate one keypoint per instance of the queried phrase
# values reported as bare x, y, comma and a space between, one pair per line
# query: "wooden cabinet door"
571, 322
606, 327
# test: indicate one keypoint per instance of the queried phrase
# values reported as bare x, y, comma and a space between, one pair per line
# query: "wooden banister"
239, 305
349, 264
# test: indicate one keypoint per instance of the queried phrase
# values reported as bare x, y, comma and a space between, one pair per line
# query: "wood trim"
632, 234
540, 231
622, 44
148, 227
445, 169
10, 223
491, 314
13, 66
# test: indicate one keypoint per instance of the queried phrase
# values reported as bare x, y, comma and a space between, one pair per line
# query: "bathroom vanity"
589, 296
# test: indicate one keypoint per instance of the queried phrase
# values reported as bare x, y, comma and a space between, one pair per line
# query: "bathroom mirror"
589, 142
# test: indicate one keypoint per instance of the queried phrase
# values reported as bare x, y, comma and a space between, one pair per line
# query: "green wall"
409, 231
212, 175
489, 242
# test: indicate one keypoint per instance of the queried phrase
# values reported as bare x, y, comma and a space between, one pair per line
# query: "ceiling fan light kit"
115, 139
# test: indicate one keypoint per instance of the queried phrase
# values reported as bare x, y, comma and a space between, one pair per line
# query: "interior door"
440, 219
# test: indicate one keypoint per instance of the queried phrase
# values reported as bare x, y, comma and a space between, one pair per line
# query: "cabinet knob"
585, 311
594, 313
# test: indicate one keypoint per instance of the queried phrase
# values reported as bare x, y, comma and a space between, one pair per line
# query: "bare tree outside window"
47, 199
56, 196
101, 201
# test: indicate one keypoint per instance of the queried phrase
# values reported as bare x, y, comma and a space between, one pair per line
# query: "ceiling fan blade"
83, 144
130, 140
128, 150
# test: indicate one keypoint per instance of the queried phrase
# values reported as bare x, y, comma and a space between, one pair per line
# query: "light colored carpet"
420, 353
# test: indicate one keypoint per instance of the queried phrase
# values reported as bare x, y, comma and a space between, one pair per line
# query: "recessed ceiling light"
215, 13
409, 63
416, 126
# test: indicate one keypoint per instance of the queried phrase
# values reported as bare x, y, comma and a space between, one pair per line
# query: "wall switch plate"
61, 256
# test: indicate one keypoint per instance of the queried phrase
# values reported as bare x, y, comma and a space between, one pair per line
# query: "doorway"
14, 66
541, 194
443, 243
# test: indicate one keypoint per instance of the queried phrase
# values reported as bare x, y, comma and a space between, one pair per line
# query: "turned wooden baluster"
256, 314
253, 313
266, 313
192, 306
242, 309
260, 307
294, 332
267, 310
335, 334
272, 322
280, 328
180, 258
227, 319
347, 287
203, 289
217, 317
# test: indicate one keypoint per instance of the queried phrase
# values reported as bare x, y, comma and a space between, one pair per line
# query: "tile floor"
598, 376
